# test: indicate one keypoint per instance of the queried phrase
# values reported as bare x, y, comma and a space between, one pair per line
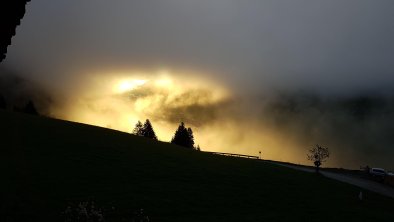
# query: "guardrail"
234, 155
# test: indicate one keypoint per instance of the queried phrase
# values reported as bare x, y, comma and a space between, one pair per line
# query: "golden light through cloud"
119, 100
175, 64
127, 85
164, 82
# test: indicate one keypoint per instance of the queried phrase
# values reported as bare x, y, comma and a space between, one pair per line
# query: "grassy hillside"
47, 163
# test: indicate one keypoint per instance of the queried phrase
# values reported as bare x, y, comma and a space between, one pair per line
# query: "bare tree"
318, 155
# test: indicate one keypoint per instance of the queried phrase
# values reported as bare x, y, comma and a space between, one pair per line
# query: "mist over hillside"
250, 76
358, 129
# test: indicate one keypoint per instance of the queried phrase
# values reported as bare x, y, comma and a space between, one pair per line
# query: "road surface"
360, 182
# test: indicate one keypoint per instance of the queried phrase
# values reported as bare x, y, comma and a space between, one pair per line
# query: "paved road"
360, 182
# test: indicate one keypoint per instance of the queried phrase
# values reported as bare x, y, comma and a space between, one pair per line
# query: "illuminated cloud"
233, 70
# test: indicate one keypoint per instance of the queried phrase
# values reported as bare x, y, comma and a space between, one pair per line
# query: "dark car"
377, 173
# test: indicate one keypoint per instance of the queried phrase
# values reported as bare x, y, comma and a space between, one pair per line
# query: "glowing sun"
127, 85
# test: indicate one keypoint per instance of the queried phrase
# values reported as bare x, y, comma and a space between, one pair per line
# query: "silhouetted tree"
183, 136
147, 130
30, 108
138, 129
3, 104
191, 137
318, 155
198, 148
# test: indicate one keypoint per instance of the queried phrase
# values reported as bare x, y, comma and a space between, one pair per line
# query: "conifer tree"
30, 108
183, 136
138, 129
147, 130
191, 137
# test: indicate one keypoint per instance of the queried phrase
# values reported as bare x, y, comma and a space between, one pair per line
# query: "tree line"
183, 136
29, 108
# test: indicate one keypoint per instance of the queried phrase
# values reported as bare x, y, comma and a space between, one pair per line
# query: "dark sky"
300, 72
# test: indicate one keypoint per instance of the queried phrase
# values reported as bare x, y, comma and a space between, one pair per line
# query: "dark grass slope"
46, 163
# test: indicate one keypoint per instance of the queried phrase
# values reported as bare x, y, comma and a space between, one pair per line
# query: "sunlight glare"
164, 83
128, 85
